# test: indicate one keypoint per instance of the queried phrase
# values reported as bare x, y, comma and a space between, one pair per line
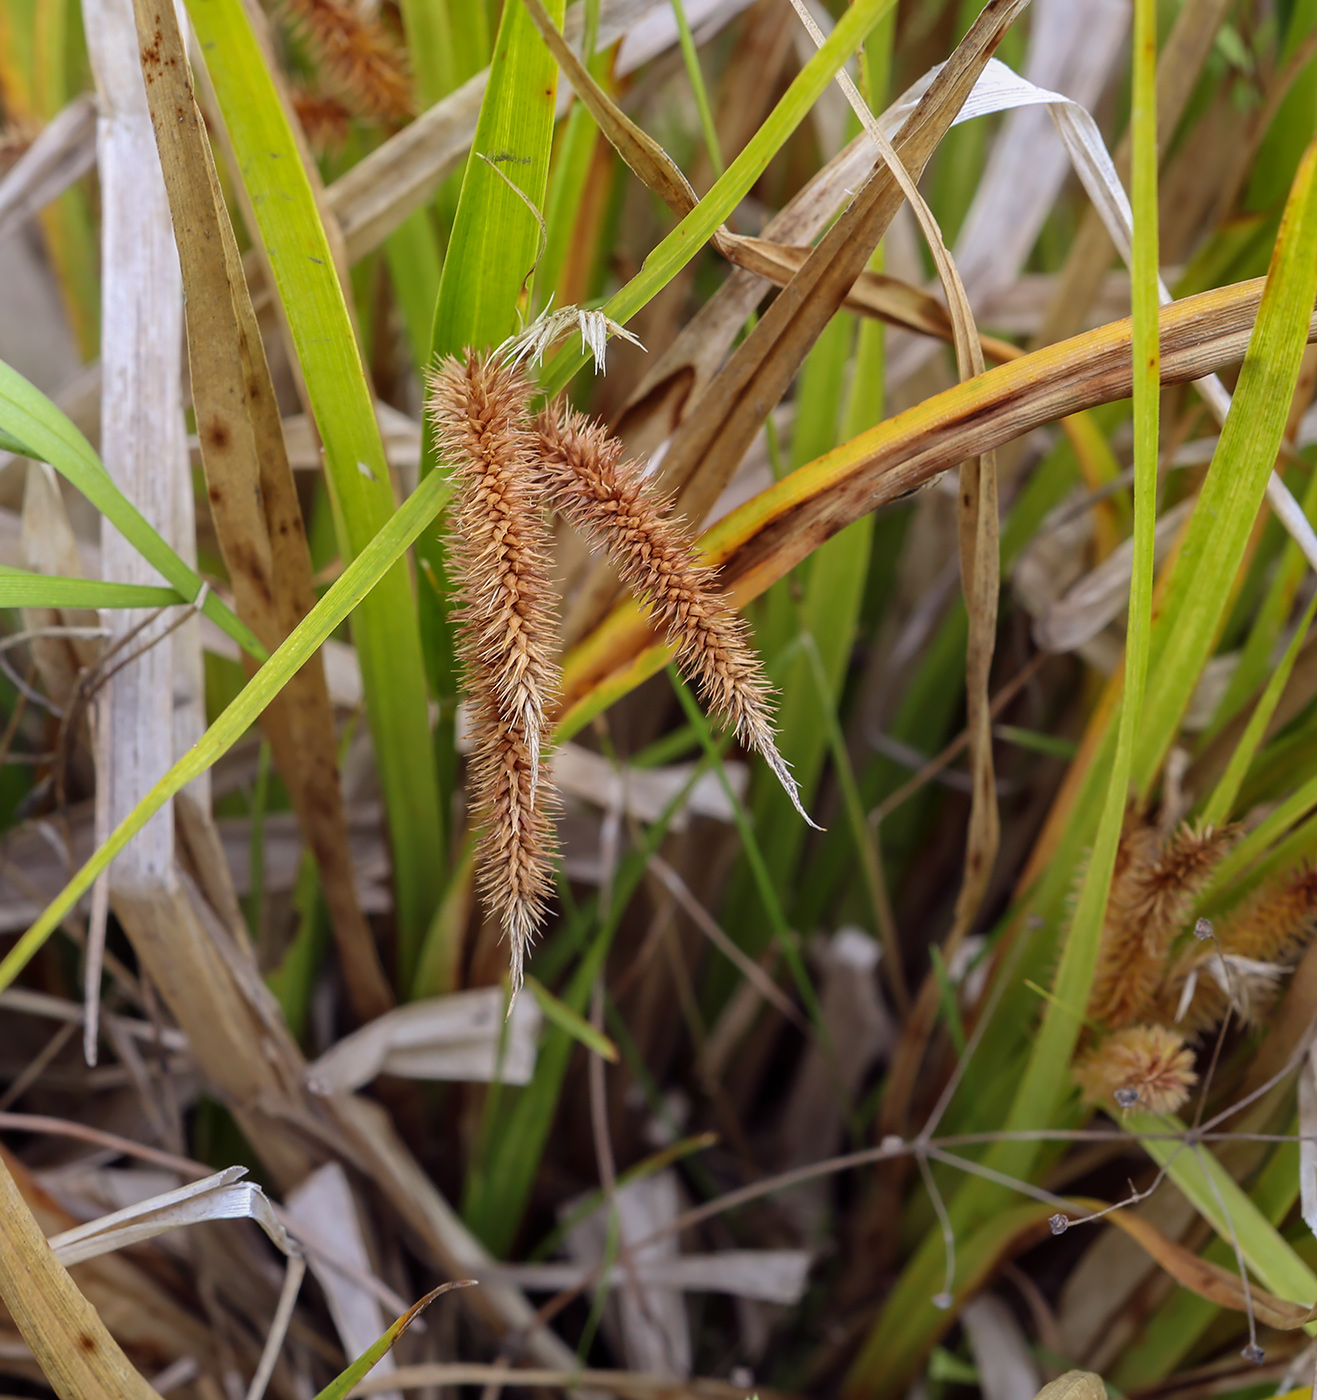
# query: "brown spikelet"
610, 502
506, 787
1152, 896
499, 545
1147, 1067
16, 136
324, 118
1254, 944
1277, 922
357, 54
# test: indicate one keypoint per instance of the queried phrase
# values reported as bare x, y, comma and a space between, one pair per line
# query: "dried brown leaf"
253, 498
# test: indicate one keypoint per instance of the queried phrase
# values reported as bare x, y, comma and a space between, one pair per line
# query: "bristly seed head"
1148, 1066
506, 629
613, 505
500, 467
357, 53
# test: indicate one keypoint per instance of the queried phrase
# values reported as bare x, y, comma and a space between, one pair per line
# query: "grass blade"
343, 1383
348, 590
43, 431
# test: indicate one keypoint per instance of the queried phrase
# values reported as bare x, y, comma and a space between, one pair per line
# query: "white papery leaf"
763, 1275
457, 1037
224, 1196
1308, 1139
324, 1205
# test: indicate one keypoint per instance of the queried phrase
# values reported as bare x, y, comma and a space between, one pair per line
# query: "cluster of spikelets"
1160, 983
509, 469
365, 68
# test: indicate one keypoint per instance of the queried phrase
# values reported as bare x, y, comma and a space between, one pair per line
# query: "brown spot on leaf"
86, 1342
217, 434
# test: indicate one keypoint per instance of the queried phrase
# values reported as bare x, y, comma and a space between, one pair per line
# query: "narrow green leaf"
21, 589
1046, 1079
1220, 1200
572, 1022
691, 58
42, 430
347, 591
1232, 492
343, 1384
498, 232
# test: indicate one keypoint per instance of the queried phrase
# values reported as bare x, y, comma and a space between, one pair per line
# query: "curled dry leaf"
224, 1196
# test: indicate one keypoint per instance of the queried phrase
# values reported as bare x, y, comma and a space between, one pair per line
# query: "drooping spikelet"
1255, 944
610, 502
1147, 1067
1152, 896
1276, 923
357, 54
324, 118
506, 626
505, 786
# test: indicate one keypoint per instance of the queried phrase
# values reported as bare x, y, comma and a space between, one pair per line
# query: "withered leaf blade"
253, 497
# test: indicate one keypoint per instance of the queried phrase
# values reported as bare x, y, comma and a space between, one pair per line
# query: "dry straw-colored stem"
80, 1358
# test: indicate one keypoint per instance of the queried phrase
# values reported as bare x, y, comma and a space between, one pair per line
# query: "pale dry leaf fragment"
1308, 1139
647, 793
543, 333
1102, 594
63, 151
224, 1196
1007, 1369
440, 1227
648, 1323
763, 1275
612, 504
1074, 1385
458, 1037
324, 1203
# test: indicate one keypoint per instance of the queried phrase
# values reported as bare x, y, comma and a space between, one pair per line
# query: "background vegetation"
1025, 547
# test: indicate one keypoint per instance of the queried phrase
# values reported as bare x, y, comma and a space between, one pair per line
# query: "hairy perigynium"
1157, 985
499, 544
506, 473
357, 54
